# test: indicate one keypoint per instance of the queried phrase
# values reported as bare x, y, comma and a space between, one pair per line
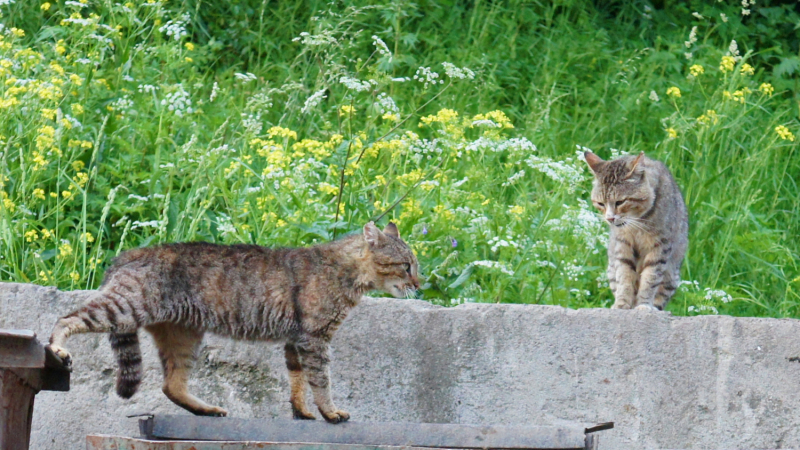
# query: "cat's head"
395, 266
622, 192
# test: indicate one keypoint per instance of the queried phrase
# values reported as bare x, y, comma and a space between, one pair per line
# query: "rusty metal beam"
103, 442
365, 434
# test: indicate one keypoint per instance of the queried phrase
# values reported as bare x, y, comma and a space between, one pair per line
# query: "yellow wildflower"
64, 250
49, 114
517, 210
77, 109
88, 237
45, 6
727, 64
696, 70
188, 60
54, 194
747, 69
391, 117
57, 68
17, 32
47, 234
497, 116
281, 132
189, 46
709, 117
39, 193
31, 236
75, 276
674, 92
784, 133
766, 88
346, 110
282, 223
327, 188
45, 276
672, 133
66, 194
76, 80
81, 178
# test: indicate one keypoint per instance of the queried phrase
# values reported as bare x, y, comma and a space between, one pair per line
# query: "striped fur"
129, 359
177, 292
649, 229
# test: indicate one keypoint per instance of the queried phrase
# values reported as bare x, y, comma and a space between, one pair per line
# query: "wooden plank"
22, 334
370, 434
16, 411
20, 349
103, 442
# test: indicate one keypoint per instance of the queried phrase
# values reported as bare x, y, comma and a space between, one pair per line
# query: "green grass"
211, 136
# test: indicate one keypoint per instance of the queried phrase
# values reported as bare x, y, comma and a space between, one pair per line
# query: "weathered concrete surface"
701, 382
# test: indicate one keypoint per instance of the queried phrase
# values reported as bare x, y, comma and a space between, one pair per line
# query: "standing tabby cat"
649, 228
300, 296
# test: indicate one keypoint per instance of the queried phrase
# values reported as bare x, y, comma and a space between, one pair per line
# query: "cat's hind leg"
177, 347
314, 359
106, 311
297, 382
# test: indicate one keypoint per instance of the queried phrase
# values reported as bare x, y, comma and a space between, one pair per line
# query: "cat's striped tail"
129, 358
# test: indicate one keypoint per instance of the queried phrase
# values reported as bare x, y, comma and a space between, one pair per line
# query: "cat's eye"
619, 203
407, 266
601, 205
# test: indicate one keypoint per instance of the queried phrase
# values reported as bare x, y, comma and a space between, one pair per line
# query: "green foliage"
126, 125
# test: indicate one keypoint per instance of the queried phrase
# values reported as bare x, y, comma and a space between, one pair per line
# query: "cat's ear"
391, 230
633, 165
593, 161
372, 234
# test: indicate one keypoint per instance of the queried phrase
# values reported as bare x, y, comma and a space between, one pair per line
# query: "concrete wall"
667, 382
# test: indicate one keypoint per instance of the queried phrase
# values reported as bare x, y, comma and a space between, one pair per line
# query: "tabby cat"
649, 228
300, 296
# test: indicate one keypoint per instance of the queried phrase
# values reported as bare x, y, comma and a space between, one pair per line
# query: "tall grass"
126, 125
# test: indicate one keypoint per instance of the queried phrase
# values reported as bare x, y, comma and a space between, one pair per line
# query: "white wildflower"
313, 101
717, 294
245, 77
149, 224
494, 265
698, 16
178, 102
324, 38
138, 198
386, 104
214, 92
454, 72
147, 88
692, 38
357, 85
381, 47
733, 49
654, 96
176, 29
513, 178
723, 17
427, 77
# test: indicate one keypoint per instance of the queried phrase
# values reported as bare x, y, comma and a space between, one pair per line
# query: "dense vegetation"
287, 123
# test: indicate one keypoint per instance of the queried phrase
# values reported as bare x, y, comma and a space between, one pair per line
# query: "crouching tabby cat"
649, 228
299, 296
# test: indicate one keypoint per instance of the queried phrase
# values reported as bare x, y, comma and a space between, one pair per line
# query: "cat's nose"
610, 219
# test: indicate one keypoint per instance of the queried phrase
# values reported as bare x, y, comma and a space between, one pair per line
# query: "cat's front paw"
336, 416
211, 411
646, 307
620, 305
61, 354
302, 414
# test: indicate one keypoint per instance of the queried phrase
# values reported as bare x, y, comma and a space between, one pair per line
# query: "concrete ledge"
700, 382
